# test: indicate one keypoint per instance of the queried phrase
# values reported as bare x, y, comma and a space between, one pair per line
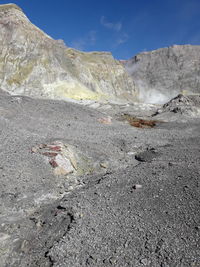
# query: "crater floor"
131, 197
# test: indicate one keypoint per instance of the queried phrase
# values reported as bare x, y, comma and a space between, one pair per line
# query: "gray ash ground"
133, 200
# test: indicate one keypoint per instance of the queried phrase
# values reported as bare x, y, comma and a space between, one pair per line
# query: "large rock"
162, 74
32, 63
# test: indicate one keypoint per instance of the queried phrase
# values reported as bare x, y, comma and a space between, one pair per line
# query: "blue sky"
123, 27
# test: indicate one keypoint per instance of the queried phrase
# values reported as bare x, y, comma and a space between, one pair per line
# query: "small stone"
24, 246
39, 224
42, 146
94, 105
144, 261
104, 165
131, 153
90, 260
34, 149
146, 156
137, 186
112, 260
126, 244
106, 120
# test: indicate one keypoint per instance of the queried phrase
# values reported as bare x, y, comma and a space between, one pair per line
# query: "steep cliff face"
32, 63
164, 73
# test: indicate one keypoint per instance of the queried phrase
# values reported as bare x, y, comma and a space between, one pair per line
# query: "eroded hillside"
32, 63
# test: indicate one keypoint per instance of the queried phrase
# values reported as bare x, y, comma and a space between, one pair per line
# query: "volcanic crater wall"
32, 63
162, 74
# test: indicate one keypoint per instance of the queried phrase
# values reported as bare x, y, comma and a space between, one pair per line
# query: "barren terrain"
132, 199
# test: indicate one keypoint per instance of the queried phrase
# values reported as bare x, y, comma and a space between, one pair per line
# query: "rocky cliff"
164, 73
32, 63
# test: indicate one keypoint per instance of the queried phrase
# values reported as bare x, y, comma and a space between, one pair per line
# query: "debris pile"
182, 104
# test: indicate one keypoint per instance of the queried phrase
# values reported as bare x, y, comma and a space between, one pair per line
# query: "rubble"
188, 105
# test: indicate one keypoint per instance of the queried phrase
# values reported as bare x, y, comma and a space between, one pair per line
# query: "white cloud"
109, 25
122, 39
88, 40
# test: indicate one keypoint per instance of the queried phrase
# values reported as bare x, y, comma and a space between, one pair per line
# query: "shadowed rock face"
32, 63
162, 74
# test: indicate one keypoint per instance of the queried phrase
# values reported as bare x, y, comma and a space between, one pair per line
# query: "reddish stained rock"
137, 122
53, 163
60, 157
106, 120
54, 148
49, 154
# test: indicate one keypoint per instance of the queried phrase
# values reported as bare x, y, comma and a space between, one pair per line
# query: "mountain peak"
9, 6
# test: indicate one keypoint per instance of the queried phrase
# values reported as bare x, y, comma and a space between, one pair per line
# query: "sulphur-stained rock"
32, 63
68, 153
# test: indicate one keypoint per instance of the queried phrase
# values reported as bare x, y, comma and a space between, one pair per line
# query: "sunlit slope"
32, 63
